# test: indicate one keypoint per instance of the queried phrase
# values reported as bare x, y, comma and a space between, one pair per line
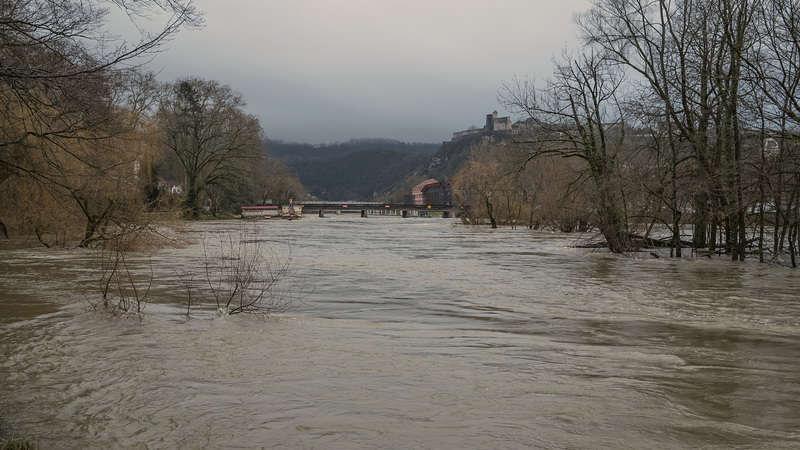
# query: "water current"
416, 333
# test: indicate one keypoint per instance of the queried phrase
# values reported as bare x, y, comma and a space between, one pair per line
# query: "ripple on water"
418, 333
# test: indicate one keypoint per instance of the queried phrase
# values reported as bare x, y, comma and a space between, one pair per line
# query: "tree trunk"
615, 231
191, 209
490, 212
700, 234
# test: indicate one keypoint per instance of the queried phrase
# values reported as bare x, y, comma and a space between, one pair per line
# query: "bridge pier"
363, 213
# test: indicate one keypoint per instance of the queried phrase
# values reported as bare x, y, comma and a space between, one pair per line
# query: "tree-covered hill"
443, 164
354, 170
364, 169
453, 154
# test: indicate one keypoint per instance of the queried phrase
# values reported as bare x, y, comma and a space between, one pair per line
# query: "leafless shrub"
237, 273
187, 281
122, 293
244, 277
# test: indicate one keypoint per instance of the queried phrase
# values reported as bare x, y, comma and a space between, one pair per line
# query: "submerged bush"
13, 443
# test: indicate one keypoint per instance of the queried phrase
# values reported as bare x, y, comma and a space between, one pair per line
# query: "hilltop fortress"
493, 123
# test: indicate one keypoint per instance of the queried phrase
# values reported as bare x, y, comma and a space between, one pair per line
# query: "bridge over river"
365, 207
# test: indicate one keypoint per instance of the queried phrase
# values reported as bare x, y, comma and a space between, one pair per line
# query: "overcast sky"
323, 71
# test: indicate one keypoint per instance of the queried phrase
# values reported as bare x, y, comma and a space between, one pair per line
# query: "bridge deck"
372, 206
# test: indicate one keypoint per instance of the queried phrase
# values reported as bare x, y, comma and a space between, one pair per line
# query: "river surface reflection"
419, 333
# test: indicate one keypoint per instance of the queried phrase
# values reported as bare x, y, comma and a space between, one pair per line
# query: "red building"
432, 192
417, 195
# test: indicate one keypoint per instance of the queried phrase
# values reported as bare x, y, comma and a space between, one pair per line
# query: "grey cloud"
413, 70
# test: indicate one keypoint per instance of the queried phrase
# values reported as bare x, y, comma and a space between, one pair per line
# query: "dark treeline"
292, 151
677, 120
91, 144
360, 169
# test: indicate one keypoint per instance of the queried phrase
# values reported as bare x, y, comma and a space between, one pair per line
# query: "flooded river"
417, 333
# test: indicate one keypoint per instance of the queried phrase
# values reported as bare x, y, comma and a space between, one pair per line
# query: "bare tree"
277, 184
479, 183
123, 291
776, 67
56, 58
58, 68
577, 114
690, 57
245, 277
217, 145
683, 112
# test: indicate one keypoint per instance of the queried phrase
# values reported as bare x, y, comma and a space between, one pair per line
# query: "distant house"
417, 196
432, 192
438, 194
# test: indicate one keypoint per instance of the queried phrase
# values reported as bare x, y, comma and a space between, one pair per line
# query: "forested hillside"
453, 154
446, 162
354, 170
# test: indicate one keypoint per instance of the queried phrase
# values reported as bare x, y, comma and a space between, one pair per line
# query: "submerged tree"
690, 58
577, 114
217, 145
682, 112
244, 276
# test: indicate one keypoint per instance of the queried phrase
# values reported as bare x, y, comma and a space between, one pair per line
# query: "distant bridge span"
364, 207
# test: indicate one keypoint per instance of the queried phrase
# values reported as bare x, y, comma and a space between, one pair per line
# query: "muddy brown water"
418, 333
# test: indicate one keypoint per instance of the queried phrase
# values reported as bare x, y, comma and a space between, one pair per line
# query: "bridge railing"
329, 205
